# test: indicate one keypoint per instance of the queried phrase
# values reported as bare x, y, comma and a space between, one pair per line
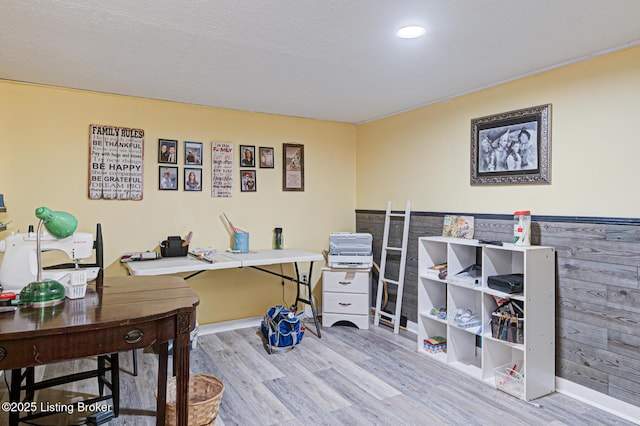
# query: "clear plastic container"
522, 228
509, 379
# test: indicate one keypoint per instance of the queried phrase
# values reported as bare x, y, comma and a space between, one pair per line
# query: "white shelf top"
476, 243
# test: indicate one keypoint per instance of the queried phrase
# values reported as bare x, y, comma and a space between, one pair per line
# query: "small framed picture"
168, 178
292, 167
192, 179
266, 157
192, 153
247, 156
248, 181
167, 151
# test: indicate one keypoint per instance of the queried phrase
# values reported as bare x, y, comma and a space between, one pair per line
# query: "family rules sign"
115, 163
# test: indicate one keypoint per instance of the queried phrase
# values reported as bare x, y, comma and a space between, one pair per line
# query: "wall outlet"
304, 277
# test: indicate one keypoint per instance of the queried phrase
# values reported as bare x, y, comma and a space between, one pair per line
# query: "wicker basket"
205, 394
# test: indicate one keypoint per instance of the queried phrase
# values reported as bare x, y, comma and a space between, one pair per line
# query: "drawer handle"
344, 282
344, 304
133, 336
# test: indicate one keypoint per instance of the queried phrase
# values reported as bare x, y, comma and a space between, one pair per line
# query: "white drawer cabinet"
346, 296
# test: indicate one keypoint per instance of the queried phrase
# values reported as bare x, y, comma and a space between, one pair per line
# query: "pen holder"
173, 247
241, 242
506, 330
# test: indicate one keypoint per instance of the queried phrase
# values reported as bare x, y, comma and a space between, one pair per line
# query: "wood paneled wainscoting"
597, 289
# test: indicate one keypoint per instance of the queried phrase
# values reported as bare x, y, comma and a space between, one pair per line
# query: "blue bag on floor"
282, 329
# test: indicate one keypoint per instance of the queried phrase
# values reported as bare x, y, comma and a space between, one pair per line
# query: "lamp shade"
59, 224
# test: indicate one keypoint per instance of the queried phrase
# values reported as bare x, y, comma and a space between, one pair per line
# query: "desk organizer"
174, 247
507, 330
241, 242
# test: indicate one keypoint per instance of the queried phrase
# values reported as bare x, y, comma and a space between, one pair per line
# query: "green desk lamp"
41, 293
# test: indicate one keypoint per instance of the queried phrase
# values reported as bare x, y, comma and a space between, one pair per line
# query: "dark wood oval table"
117, 314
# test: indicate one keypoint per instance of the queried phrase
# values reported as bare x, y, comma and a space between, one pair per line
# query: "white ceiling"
325, 59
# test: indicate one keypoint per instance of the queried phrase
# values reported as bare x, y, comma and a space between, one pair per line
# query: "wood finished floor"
348, 377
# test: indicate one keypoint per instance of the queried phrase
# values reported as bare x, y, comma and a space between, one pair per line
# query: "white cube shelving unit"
474, 350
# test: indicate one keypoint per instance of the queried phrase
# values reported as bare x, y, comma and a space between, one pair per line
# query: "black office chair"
106, 363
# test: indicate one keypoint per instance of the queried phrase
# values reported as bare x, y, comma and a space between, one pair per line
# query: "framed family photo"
266, 157
248, 181
512, 147
192, 179
168, 151
247, 156
192, 153
293, 167
168, 178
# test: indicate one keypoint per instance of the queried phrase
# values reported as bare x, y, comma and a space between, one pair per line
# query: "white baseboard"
599, 400
219, 327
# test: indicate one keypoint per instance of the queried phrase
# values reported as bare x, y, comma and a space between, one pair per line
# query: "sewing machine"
19, 264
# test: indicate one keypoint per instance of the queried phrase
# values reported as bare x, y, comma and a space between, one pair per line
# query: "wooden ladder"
382, 278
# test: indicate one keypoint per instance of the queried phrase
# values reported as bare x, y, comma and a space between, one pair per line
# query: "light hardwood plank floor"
348, 377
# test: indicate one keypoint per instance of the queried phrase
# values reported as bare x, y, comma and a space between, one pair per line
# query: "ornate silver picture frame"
512, 148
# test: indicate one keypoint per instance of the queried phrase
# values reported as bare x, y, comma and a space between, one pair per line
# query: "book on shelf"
458, 226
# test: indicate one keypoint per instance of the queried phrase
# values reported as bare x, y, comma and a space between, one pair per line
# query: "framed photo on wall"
247, 156
192, 153
248, 181
292, 167
266, 157
192, 179
512, 147
168, 178
168, 151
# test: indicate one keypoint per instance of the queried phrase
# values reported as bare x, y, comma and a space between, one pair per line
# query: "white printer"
350, 250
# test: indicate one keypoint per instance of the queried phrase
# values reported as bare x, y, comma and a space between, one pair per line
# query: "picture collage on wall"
222, 159
116, 165
168, 171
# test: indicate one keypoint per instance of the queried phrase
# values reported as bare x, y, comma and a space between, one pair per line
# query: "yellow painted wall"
424, 155
44, 160
421, 155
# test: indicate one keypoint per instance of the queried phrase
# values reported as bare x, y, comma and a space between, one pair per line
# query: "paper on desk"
205, 253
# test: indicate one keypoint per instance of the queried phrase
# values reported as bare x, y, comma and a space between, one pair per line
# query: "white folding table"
227, 260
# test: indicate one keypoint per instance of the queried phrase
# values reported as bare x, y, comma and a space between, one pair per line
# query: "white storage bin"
76, 287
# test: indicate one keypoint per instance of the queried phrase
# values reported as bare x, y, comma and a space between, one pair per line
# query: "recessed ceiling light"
411, 31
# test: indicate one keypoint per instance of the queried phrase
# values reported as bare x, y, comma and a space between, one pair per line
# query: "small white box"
76, 286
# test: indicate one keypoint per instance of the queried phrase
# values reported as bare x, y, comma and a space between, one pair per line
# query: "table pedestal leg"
161, 408
181, 347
